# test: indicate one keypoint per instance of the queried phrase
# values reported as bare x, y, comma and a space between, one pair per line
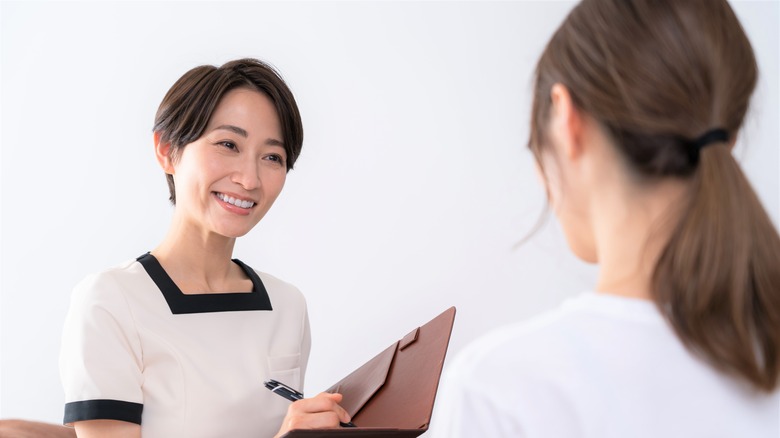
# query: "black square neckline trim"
181, 303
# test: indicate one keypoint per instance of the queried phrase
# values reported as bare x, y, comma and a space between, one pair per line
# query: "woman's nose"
247, 174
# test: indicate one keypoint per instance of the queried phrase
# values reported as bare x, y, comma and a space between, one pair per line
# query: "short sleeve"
100, 356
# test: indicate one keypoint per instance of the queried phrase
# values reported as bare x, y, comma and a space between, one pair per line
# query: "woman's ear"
163, 153
566, 122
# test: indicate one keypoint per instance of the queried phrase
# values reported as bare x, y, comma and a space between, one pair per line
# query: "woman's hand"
320, 412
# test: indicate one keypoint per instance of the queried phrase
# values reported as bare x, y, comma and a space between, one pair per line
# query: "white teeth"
234, 201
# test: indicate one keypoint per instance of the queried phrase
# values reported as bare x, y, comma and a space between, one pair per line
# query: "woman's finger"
335, 399
320, 412
312, 420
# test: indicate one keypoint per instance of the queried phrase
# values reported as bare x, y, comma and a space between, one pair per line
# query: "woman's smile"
238, 202
234, 204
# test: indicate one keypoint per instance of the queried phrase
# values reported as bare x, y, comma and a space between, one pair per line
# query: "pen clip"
284, 390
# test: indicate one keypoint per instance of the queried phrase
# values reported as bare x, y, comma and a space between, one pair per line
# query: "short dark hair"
186, 109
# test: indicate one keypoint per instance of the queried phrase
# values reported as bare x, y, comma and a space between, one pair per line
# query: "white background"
412, 190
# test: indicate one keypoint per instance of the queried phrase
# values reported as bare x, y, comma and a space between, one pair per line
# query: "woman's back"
598, 366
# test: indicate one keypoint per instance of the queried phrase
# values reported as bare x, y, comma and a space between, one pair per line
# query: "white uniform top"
135, 348
599, 366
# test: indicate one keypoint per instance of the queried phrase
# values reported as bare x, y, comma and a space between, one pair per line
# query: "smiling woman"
228, 179
179, 341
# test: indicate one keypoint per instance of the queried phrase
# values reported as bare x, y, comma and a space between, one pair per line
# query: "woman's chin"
233, 232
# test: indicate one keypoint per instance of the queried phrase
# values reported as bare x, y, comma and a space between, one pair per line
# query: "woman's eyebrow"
240, 131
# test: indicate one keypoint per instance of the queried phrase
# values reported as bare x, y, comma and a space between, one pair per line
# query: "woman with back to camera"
637, 106
179, 341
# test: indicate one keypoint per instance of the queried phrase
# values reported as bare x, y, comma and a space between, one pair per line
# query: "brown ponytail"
657, 74
718, 279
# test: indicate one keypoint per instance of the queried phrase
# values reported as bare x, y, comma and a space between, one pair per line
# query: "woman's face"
228, 178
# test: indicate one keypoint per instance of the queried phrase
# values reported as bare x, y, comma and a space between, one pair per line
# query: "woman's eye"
228, 144
276, 158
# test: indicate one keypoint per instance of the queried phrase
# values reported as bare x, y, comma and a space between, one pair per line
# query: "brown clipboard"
392, 394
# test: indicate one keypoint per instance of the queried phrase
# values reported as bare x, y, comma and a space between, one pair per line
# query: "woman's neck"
633, 227
198, 261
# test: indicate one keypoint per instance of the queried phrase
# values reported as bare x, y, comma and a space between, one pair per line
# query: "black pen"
283, 390
291, 394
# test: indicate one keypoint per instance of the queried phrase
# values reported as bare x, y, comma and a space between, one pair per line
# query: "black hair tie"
710, 137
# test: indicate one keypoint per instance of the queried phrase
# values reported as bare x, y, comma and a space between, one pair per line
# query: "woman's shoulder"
517, 368
278, 289
110, 282
552, 340
519, 344
277, 283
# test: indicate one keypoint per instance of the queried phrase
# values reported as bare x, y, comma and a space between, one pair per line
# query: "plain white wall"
413, 186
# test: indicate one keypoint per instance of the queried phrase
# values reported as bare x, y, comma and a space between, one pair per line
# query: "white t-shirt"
599, 366
135, 348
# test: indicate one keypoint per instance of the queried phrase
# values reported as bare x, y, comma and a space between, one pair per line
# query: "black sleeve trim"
103, 410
